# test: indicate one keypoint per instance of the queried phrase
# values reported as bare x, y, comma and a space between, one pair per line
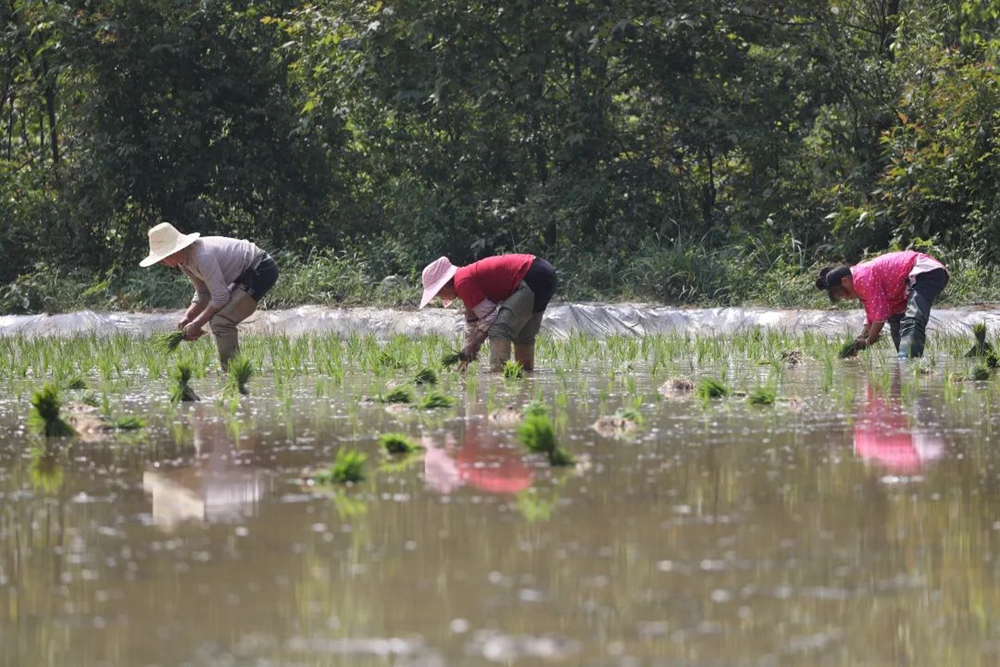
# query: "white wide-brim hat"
435, 276
164, 241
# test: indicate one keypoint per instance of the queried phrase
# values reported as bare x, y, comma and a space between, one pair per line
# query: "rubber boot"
525, 355
241, 306
499, 354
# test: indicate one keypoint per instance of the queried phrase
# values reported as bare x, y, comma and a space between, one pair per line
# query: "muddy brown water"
858, 527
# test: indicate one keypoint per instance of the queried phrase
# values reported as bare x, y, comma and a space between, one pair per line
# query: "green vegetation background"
684, 151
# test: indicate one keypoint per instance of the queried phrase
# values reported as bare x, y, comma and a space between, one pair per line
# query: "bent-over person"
230, 277
505, 299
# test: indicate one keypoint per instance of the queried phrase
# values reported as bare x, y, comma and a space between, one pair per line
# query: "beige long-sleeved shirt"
213, 263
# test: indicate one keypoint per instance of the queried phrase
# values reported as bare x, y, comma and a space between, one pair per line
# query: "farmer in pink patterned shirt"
898, 288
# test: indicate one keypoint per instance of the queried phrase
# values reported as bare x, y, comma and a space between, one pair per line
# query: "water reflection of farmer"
480, 462
230, 277
887, 436
214, 488
505, 298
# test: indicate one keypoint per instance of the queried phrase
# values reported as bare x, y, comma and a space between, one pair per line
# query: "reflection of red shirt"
883, 434
493, 469
493, 278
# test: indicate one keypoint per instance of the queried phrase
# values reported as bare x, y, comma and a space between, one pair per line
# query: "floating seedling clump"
168, 342
980, 373
539, 436
240, 371
347, 468
512, 370
425, 377
397, 443
762, 396
130, 423
710, 388
399, 395
45, 418
182, 390
75, 383
435, 399
981, 348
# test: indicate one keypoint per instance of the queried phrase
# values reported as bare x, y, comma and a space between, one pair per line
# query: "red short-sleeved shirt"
881, 283
493, 278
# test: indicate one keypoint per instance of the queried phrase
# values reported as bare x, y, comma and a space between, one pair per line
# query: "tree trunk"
50, 108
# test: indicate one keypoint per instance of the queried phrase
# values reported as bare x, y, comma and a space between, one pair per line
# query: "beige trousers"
241, 306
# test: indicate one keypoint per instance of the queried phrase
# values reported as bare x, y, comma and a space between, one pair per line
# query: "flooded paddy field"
853, 519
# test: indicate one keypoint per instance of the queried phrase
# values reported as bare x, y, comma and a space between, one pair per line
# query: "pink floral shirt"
882, 283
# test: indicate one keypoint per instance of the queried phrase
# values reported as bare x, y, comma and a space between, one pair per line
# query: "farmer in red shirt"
505, 298
898, 287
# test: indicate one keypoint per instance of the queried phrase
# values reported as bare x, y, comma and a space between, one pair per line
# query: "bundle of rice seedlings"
426, 377
130, 423
629, 414
981, 348
512, 370
712, 388
240, 371
435, 399
993, 359
538, 435
347, 468
848, 349
535, 408
182, 390
397, 443
45, 418
168, 342
980, 373
763, 396
452, 358
75, 383
398, 395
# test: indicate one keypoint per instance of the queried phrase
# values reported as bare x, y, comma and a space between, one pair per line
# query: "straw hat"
164, 241
435, 276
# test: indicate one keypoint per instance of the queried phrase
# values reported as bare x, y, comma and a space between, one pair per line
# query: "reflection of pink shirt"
881, 283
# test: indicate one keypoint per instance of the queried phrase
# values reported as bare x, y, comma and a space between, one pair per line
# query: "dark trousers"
541, 279
909, 327
259, 281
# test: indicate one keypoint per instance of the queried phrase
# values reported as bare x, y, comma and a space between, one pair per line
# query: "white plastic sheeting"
560, 320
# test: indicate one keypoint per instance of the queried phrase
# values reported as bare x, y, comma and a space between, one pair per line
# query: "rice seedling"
981, 348
980, 373
848, 350
426, 377
168, 342
130, 423
709, 388
44, 418
347, 468
182, 391
762, 396
74, 383
240, 371
435, 399
452, 358
512, 370
538, 435
397, 443
535, 408
398, 395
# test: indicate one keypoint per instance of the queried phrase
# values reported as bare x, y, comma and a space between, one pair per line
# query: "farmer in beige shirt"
230, 277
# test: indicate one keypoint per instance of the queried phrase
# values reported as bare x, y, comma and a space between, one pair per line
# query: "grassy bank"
692, 276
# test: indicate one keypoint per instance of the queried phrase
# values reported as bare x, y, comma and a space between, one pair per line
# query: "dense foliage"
668, 149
